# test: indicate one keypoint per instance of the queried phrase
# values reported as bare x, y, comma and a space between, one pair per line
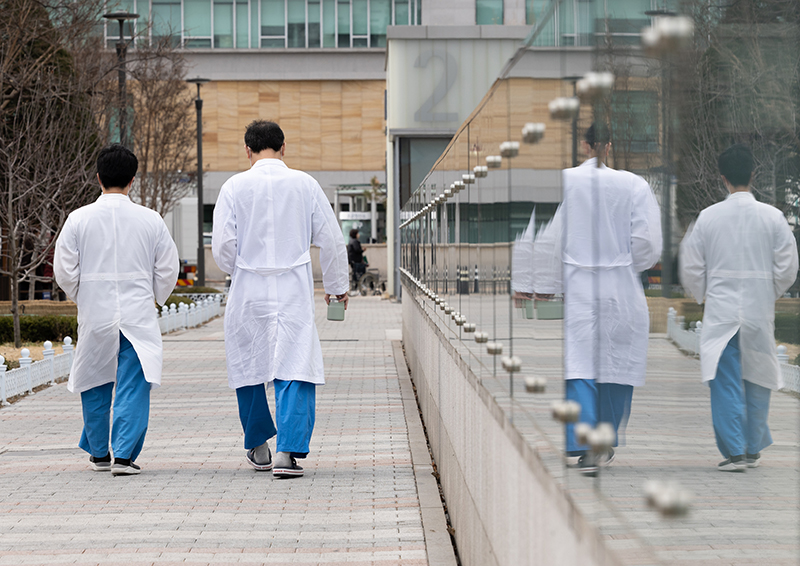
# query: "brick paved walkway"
197, 501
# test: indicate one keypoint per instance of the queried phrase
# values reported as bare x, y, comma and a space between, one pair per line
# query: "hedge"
190, 289
787, 327
37, 328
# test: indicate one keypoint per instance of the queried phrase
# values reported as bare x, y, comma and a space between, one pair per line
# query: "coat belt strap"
269, 271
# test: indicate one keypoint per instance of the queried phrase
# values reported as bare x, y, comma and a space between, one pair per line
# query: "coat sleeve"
165, 266
66, 261
784, 258
547, 254
332, 250
692, 262
645, 227
223, 237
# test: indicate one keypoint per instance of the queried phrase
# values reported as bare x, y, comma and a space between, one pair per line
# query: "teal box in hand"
335, 310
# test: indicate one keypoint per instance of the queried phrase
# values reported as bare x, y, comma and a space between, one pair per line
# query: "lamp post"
201, 248
574, 80
122, 49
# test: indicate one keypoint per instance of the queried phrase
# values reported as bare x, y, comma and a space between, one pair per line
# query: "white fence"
688, 340
188, 316
32, 374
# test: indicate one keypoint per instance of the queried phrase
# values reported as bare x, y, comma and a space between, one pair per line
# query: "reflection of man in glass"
605, 233
355, 255
740, 256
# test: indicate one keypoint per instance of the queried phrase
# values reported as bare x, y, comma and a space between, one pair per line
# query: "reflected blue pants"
739, 409
131, 409
600, 402
295, 408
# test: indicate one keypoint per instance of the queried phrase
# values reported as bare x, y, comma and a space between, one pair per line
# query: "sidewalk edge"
438, 545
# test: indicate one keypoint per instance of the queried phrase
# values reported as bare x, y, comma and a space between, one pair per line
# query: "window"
243, 24
489, 12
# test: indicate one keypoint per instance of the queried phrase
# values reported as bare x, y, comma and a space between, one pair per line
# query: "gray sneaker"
124, 467
733, 464
102, 464
753, 460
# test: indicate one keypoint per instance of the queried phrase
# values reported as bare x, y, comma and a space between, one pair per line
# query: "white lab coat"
115, 259
739, 256
605, 233
264, 223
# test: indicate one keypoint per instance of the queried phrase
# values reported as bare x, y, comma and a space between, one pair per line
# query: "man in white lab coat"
265, 220
605, 233
739, 257
116, 259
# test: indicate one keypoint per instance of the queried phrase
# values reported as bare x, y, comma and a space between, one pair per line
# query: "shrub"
190, 290
36, 328
787, 327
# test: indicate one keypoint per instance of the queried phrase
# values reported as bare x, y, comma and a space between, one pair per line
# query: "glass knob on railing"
509, 149
494, 348
481, 171
535, 384
565, 411
512, 364
533, 132
481, 337
493, 161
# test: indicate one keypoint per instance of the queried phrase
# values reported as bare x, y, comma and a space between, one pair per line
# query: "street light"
122, 49
201, 248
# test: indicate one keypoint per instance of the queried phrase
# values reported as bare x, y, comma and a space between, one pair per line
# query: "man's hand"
340, 298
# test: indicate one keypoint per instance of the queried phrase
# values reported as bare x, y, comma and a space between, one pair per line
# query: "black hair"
117, 166
736, 165
597, 133
354, 232
261, 135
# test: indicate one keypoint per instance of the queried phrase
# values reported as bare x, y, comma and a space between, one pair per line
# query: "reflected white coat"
604, 234
265, 220
115, 259
739, 257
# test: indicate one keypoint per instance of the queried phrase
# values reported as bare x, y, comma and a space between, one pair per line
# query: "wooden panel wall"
329, 125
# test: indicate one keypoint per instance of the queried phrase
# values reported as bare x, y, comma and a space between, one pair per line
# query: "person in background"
115, 260
264, 222
604, 234
739, 257
355, 256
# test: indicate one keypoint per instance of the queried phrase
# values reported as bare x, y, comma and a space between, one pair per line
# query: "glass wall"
249, 24
551, 292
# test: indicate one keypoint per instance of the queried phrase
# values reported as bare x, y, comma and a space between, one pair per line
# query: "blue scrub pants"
600, 402
131, 409
295, 407
739, 408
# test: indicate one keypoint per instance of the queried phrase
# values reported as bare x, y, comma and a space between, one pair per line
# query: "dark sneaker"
101, 464
124, 467
753, 460
251, 459
733, 464
587, 465
286, 466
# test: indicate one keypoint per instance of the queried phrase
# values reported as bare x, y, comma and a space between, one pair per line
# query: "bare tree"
164, 130
740, 83
48, 132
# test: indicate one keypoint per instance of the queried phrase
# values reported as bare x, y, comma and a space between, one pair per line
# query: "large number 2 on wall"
425, 114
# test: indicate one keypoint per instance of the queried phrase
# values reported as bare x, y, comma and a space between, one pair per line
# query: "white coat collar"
592, 162
740, 194
268, 161
114, 196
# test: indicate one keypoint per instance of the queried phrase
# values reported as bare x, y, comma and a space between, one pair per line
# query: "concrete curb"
437, 540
